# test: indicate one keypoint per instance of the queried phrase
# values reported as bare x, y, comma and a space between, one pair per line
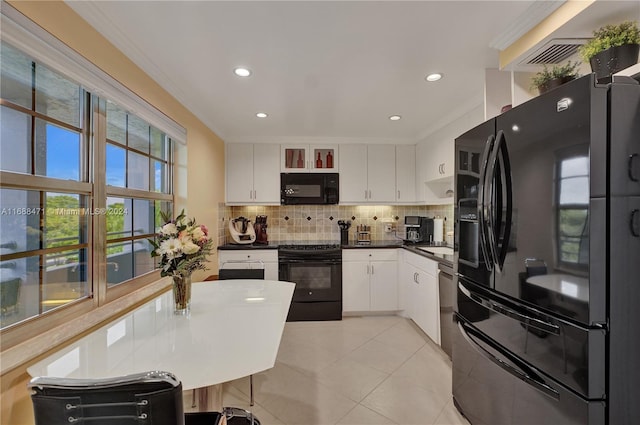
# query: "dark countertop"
443, 258
373, 245
235, 247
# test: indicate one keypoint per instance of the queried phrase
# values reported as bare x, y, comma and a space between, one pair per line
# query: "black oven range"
316, 269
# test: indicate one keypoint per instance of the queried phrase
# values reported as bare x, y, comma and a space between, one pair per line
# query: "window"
44, 255
572, 211
138, 163
82, 184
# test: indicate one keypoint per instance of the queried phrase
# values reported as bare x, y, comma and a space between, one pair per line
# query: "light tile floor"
361, 370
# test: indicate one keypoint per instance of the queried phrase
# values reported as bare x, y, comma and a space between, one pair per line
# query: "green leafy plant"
611, 36
568, 71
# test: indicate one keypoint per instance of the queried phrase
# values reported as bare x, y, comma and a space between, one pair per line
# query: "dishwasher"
446, 288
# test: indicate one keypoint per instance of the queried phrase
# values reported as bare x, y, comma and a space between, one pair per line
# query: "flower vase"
181, 294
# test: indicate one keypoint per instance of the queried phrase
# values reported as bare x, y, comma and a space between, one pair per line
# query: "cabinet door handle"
251, 194
398, 194
372, 269
365, 194
369, 194
635, 228
368, 269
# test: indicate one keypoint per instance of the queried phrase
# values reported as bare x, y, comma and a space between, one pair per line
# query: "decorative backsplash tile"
320, 222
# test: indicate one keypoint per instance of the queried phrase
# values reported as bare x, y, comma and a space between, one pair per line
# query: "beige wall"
199, 187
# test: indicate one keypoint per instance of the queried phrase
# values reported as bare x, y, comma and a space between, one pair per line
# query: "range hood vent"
554, 51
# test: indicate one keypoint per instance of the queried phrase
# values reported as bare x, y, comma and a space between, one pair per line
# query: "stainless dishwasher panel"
447, 291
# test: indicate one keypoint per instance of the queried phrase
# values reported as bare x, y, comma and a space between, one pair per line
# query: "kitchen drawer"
266, 255
425, 264
363, 254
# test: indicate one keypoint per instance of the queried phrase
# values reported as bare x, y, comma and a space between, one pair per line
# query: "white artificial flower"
172, 247
169, 229
190, 248
197, 234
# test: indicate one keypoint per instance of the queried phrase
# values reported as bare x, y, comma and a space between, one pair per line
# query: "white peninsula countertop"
233, 330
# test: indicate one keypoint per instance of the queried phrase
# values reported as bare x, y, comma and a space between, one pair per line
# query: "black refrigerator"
547, 256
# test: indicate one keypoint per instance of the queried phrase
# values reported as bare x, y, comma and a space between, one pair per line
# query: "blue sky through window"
115, 165
63, 153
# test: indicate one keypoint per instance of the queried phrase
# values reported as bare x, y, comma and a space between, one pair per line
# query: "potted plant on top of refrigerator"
555, 76
613, 48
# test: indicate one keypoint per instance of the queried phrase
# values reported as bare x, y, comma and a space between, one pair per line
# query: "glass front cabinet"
309, 158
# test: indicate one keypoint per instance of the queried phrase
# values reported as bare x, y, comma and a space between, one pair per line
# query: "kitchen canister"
438, 229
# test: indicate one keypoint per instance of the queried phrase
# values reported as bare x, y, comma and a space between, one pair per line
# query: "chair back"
229, 273
153, 398
535, 267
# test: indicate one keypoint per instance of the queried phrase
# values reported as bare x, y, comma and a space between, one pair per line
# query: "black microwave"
308, 188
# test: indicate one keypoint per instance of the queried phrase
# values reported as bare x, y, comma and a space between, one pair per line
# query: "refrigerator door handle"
506, 165
492, 237
528, 321
522, 372
635, 228
482, 204
632, 176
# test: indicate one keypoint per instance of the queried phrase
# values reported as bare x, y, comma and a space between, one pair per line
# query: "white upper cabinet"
367, 174
381, 173
439, 160
309, 158
253, 174
405, 174
353, 173
435, 159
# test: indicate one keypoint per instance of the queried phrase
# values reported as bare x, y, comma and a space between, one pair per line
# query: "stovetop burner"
310, 247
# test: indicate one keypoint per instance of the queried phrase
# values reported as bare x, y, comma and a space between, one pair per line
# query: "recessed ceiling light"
242, 72
395, 117
261, 115
433, 77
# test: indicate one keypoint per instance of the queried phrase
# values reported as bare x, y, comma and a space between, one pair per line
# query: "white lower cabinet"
250, 259
419, 293
369, 280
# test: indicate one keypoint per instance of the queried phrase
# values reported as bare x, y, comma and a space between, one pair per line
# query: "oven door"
316, 280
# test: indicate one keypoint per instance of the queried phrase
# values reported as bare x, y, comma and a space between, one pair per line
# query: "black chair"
153, 398
144, 398
241, 273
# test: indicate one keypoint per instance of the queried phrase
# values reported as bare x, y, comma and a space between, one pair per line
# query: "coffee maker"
418, 229
241, 230
260, 227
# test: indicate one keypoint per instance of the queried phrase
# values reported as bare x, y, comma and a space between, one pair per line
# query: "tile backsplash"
320, 222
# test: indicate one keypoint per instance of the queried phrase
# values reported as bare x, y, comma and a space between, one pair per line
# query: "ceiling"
322, 70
